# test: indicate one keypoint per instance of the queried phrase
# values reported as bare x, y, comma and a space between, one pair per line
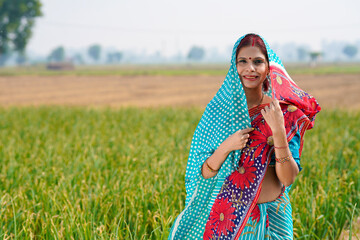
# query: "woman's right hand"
237, 140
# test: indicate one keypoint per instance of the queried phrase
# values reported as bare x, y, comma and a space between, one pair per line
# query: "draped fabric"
226, 113
238, 196
270, 220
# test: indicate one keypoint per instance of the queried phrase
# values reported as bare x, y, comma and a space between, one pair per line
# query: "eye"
258, 61
242, 61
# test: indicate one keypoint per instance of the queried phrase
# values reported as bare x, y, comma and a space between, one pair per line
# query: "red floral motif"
260, 138
255, 214
244, 175
208, 234
285, 89
220, 219
267, 220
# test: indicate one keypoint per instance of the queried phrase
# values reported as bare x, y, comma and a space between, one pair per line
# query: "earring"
266, 83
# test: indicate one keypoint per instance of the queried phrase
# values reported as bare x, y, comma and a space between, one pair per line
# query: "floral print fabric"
242, 188
225, 114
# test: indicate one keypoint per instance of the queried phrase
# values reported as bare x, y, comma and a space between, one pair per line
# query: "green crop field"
87, 173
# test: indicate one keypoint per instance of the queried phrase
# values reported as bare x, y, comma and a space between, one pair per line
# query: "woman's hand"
236, 141
285, 171
274, 116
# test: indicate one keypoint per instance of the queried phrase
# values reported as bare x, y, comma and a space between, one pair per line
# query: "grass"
170, 70
76, 173
327, 192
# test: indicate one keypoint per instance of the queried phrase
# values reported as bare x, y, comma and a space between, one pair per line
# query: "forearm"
288, 170
214, 162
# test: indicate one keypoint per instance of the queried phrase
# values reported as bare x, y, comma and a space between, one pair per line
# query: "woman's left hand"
274, 116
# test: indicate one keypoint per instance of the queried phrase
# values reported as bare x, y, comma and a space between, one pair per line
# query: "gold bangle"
284, 159
210, 168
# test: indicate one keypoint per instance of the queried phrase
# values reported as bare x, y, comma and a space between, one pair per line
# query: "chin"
252, 86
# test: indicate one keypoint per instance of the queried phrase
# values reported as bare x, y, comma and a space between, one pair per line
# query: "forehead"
253, 52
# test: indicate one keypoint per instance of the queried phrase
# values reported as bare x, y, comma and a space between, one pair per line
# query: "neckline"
257, 108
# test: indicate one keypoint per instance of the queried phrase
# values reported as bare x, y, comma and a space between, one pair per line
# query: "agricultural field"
104, 156
103, 173
331, 90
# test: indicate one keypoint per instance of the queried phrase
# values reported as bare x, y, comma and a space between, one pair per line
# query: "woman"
245, 153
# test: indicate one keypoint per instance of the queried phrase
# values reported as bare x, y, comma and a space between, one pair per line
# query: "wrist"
279, 131
223, 150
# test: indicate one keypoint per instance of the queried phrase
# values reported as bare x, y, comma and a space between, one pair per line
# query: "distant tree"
114, 57
78, 59
21, 59
16, 21
196, 53
350, 50
5, 56
57, 55
118, 56
94, 52
301, 53
315, 56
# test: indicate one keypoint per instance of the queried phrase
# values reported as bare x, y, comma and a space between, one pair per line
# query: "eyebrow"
252, 58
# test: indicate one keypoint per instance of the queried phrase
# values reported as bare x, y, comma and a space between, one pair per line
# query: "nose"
251, 67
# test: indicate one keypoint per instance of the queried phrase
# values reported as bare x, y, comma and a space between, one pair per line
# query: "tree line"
17, 19
94, 52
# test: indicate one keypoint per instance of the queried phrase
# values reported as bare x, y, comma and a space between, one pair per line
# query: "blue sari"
220, 207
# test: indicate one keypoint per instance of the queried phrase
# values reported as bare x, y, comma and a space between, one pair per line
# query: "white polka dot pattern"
226, 113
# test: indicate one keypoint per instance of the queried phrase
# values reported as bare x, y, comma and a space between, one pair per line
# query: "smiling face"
252, 67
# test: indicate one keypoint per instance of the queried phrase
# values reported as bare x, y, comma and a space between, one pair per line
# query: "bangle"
210, 168
281, 147
284, 159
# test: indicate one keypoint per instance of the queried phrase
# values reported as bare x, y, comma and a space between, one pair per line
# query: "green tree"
315, 56
114, 57
302, 53
16, 21
21, 59
94, 52
350, 50
196, 53
57, 55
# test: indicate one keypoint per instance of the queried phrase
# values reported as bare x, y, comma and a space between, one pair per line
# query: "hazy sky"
174, 26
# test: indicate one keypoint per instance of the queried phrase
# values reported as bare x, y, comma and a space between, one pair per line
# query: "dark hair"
254, 40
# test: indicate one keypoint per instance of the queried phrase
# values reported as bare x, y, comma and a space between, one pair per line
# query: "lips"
250, 77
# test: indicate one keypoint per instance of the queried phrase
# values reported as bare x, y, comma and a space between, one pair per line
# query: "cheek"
263, 70
238, 69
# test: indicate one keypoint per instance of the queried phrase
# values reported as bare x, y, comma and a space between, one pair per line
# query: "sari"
220, 207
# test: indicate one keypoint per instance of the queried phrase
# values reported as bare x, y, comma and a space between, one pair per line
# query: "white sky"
173, 26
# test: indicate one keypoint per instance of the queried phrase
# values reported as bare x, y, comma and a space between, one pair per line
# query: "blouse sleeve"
294, 146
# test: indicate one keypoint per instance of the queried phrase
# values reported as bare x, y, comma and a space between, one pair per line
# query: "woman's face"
252, 67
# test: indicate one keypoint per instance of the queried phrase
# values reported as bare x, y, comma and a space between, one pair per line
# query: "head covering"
226, 113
